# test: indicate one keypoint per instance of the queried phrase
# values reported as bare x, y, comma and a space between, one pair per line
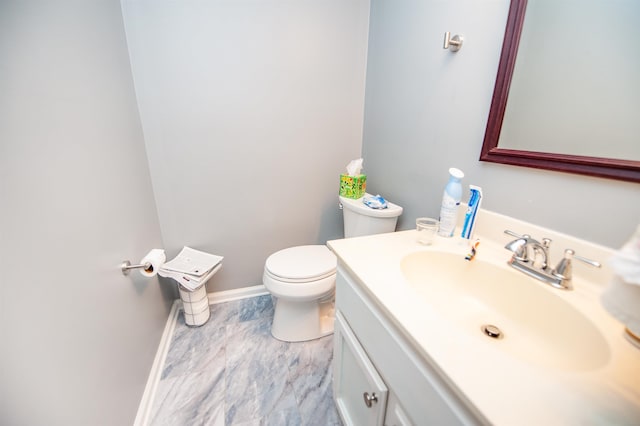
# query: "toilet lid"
302, 262
392, 210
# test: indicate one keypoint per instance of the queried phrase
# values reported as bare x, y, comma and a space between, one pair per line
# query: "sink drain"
492, 331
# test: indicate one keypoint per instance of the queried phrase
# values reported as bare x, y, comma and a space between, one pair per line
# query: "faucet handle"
564, 268
525, 237
593, 263
513, 234
519, 245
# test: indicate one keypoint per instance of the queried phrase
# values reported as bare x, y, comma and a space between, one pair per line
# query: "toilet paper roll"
156, 259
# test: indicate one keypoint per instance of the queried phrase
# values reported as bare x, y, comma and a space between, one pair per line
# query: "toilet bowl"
302, 279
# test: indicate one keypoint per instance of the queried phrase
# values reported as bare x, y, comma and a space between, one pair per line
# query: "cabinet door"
360, 393
396, 415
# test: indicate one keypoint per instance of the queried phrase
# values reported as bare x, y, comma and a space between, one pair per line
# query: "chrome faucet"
532, 257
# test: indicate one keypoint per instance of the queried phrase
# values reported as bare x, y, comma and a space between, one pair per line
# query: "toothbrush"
473, 252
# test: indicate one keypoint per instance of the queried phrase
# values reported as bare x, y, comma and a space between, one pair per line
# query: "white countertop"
504, 388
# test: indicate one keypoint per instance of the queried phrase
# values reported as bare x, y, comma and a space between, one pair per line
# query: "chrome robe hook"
452, 43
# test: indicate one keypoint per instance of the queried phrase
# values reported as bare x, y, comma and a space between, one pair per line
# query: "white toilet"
303, 278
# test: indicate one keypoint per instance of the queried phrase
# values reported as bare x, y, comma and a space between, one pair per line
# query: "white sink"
536, 322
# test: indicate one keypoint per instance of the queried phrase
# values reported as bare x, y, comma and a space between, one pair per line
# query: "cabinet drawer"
425, 396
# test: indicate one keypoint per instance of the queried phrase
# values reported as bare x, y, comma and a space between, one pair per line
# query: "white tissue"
156, 259
622, 297
622, 301
626, 261
354, 167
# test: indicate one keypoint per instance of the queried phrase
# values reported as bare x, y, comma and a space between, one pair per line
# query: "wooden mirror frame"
626, 170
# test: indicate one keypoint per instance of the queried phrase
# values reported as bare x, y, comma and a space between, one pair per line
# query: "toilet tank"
361, 220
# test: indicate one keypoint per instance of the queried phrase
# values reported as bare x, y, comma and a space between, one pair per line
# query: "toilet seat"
303, 280
301, 264
297, 281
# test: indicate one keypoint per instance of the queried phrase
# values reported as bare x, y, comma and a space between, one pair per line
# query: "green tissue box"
353, 186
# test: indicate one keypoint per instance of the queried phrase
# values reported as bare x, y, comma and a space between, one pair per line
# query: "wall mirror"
567, 92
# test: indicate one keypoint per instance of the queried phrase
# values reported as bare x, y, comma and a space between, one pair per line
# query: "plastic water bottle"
450, 203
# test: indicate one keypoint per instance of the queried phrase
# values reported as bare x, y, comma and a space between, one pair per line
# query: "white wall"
426, 110
250, 110
77, 338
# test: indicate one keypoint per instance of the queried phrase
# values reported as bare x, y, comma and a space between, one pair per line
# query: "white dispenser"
450, 203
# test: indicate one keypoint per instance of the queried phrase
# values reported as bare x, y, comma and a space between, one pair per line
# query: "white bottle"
450, 203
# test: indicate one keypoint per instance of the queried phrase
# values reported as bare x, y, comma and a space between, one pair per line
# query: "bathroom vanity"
410, 347
379, 378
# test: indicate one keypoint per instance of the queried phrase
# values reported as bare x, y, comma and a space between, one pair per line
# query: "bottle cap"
456, 173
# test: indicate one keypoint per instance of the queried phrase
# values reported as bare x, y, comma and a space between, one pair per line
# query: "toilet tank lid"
392, 210
302, 262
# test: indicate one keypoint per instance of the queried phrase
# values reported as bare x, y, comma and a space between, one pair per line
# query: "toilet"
303, 278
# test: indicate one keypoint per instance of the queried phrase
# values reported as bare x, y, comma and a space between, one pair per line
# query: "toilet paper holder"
126, 266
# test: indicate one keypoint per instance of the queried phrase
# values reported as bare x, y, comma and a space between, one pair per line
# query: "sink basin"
535, 323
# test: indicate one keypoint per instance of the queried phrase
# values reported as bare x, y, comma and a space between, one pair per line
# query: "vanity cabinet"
371, 355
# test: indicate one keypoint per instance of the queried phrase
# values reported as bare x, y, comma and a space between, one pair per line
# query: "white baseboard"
144, 409
236, 294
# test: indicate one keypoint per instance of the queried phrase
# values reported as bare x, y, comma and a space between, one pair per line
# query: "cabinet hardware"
370, 399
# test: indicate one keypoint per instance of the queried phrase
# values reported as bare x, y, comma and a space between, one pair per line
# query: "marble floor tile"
193, 349
310, 375
231, 371
191, 399
256, 307
225, 313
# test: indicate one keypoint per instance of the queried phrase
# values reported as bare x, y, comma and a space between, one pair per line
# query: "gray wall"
250, 111
77, 338
426, 110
